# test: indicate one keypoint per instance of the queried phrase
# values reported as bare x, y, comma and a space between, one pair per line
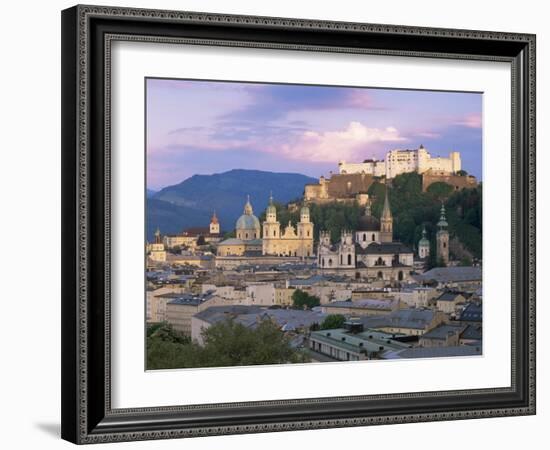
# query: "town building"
408, 321
194, 236
449, 301
353, 343
434, 352
363, 307
181, 307
156, 250
293, 241
458, 278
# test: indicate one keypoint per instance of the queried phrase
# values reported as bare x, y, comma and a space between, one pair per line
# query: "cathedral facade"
292, 241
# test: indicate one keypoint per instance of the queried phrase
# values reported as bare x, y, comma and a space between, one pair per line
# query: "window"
373, 237
349, 260
274, 233
364, 237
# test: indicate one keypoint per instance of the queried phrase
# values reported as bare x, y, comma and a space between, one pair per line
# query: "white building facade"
400, 161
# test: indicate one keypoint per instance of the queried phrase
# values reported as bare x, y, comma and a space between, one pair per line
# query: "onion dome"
271, 210
442, 219
424, 242
367, 222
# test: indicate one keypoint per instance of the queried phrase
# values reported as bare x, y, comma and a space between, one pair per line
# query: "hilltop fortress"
403, 161
354, 179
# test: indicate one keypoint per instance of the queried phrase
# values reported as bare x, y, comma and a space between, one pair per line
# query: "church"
273, 241
369, 251
247, 232
293, 241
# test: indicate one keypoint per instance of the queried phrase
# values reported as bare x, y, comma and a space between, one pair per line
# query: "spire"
214, 218
271, 197
386, 212
248, 207
157, 236
367, 208
442, 219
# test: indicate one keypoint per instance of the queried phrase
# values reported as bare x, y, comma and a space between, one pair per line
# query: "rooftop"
450, 274
365, 303
434, 352
472, 312
370, 341
441, 332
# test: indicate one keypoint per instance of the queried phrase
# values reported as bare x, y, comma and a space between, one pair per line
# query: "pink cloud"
349, 143
470, 121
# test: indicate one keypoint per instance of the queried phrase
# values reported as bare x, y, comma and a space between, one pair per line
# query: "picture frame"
87, 35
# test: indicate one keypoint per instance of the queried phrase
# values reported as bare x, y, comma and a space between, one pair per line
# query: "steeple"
214, 224
248, 207
157, 236
442, 224
271, 211
442, 238
386, 221
214, 218
386, 212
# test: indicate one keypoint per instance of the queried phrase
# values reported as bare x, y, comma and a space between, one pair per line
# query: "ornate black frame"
87, 31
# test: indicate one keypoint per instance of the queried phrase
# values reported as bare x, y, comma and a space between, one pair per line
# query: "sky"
206, 127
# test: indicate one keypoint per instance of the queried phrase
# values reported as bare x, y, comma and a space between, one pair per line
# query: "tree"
226, 343
333, 321
440, 190
301, 299
166, 333
201, 240
461, 173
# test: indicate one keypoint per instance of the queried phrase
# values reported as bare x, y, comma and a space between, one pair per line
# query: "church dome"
368, 223
247, 222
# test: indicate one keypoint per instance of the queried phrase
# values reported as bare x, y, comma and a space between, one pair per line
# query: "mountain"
191, 202
150, 193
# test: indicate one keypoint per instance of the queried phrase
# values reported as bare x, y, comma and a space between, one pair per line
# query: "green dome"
247, 222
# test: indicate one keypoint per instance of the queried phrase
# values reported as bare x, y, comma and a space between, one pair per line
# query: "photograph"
301, 223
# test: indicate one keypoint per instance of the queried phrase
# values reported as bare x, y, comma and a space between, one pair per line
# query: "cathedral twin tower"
292, 241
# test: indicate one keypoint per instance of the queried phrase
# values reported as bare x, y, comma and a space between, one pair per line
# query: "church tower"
386, 221
214, 224
442, 238
423, 246
346, 250
305, 232
271, 230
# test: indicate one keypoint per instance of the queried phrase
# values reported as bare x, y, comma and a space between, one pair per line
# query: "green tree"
165, 332
301, 299
440, 190
333, 321
226, 343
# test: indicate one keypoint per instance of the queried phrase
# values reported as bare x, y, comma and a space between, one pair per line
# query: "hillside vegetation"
412, 209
